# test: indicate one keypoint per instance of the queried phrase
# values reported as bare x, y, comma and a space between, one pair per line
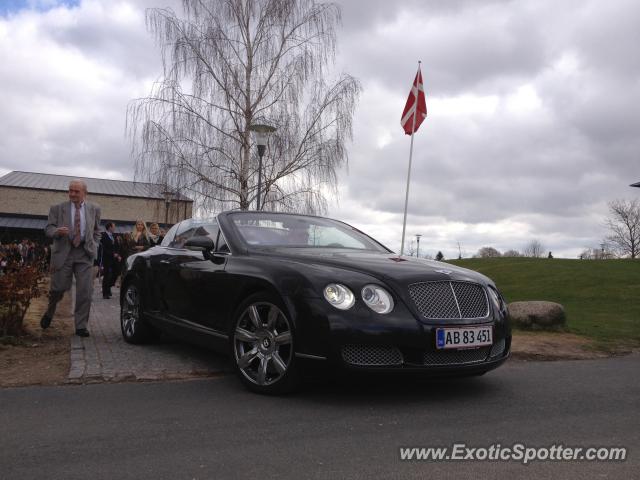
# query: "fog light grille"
371, 355
455, 357
497, 349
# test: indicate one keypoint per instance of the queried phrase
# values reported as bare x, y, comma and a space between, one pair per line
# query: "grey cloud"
122, 42
606, 35
467, 50
508, 169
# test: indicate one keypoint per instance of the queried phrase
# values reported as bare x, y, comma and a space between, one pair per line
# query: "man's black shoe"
82, 332
45, 321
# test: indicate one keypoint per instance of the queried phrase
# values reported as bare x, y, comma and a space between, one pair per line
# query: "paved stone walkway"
105, 356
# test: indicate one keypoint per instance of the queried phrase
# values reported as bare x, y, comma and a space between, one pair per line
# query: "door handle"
165, 262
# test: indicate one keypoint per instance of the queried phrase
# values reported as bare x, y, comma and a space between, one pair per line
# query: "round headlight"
339, 296
377, 299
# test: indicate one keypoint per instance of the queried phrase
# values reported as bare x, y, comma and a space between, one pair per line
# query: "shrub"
18, 285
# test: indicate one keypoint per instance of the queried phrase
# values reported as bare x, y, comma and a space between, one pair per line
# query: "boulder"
537, 315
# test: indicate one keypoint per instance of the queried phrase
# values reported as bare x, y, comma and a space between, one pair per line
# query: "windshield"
282, 230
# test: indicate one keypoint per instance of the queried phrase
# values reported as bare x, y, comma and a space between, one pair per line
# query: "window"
194, 228
329, 236
168, 238
221, 245
266, 229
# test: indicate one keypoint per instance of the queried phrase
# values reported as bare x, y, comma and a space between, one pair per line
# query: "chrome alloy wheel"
263, 344
130, 312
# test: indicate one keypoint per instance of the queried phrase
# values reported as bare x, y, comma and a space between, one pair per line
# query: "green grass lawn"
601, 297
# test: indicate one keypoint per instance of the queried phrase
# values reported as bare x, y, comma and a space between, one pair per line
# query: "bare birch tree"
229, 64
624, 226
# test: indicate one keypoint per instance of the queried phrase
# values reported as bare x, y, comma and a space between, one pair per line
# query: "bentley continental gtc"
283, 293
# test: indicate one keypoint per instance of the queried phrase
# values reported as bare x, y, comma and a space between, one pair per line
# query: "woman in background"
155, 235
140, 237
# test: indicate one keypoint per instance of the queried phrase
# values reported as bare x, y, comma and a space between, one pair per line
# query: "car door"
175, 277
159, 266
206, 285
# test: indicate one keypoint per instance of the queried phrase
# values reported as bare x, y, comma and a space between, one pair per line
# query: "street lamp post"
418, 247
261, 133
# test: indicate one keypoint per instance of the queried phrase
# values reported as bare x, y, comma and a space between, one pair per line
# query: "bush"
18, 285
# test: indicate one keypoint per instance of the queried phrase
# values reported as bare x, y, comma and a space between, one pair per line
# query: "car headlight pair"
374, 296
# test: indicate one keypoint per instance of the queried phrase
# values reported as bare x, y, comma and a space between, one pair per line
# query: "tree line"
622, 240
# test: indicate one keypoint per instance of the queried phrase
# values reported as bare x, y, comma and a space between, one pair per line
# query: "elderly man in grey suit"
74, 228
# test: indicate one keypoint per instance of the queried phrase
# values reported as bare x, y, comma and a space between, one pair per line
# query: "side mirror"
217, 257
199, 244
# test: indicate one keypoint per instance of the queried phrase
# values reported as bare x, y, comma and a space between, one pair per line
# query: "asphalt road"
215, 429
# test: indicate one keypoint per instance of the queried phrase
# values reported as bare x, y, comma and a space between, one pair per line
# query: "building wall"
37, 202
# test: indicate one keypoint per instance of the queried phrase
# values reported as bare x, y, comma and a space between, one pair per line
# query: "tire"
262, 346
132, 325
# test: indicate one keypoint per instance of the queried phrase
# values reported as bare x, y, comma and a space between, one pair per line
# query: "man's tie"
76, 227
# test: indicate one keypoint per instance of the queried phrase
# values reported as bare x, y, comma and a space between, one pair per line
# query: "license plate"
464, 337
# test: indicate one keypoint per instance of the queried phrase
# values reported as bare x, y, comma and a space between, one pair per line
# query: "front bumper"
361, 340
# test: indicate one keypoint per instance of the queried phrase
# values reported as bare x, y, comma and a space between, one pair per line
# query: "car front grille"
450, 300
455, 357
371, 355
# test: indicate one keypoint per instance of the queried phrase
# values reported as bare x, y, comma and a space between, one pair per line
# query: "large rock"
537, 315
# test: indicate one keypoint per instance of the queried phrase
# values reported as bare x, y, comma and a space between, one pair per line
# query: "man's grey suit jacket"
60, 216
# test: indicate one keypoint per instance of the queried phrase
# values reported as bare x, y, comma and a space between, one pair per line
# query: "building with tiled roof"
25, 198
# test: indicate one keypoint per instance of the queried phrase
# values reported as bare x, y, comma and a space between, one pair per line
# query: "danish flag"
416, 101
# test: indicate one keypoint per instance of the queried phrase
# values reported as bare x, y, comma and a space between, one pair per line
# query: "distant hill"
601, 297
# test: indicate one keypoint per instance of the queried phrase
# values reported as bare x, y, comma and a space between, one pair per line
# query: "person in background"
74, 226
3, 262
123, 243
32, 253
155, 235
23, 249
110, 259
46, 258
140, 237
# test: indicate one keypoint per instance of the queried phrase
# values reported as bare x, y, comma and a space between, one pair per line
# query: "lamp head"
261, 133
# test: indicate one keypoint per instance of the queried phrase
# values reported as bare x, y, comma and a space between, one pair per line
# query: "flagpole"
406, 197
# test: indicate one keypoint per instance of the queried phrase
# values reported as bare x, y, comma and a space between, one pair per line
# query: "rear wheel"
134, 330
262, 344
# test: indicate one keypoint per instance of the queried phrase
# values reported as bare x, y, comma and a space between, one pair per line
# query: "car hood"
387, 266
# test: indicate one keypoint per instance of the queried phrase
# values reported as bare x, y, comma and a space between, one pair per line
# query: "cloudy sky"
533, 123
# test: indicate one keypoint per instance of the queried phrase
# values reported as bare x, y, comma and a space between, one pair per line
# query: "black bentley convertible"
283, 292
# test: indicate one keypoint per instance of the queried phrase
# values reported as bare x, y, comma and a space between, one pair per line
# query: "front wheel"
262, 344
